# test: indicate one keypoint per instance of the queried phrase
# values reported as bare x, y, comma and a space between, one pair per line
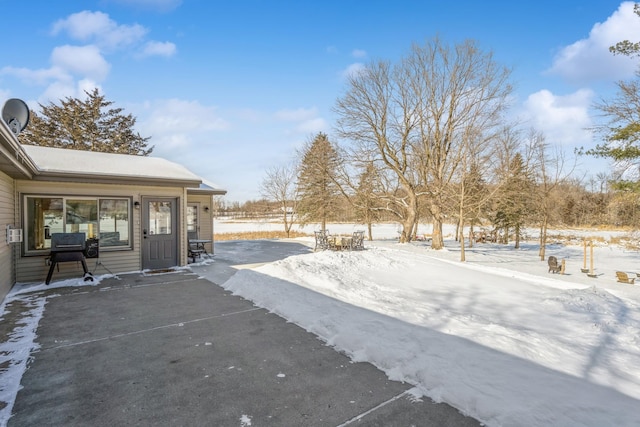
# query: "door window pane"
159, 217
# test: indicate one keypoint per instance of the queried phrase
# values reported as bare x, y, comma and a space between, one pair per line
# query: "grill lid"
67, 242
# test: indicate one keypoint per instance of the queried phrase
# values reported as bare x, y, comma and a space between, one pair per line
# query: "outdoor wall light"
206, 208
136, 204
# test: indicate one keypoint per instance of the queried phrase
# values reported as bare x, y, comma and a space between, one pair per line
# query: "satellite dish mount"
16, 114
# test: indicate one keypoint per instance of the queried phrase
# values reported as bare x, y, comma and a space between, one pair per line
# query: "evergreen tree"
365, 197
627, 47
515, 201
88, 124
317, 187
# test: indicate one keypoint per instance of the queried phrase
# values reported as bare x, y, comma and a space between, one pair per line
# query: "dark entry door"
159, 233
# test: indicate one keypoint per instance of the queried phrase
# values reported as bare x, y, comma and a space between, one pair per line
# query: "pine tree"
317, 187
516, 200
87, 124
364, 199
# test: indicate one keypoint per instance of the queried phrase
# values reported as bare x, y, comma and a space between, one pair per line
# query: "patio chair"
357, 241
322, 240
194, 251
554, 267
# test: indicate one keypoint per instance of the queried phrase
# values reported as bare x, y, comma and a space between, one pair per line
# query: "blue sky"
230, 89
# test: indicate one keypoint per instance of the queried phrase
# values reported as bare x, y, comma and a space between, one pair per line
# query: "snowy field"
498, 337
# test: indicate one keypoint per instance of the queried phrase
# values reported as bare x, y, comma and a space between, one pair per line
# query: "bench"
554, 267
624, 277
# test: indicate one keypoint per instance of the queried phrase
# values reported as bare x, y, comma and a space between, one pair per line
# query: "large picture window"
107, 219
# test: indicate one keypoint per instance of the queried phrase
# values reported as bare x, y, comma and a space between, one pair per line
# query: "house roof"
207, 187
91, 166
58, 164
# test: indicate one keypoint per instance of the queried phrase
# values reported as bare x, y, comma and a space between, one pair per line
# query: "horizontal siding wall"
7, 217
33, 268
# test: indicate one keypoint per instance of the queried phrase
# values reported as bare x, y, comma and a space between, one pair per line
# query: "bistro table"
338, 243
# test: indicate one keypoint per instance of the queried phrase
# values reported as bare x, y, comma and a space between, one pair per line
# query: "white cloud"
86, 85
589, 59
62, 89
177, 115
86, 61
358, 53
353, 70
312, 126
98, 28
37, 77
178, 123
563, 119
306, 120
75, 68
159, 49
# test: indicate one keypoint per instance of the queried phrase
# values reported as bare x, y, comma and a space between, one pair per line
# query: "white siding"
7, 217
34, 269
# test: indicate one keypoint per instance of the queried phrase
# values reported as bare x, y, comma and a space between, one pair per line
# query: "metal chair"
322, 240
357, 241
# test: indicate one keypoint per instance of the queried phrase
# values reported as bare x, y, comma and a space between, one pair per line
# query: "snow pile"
506, 347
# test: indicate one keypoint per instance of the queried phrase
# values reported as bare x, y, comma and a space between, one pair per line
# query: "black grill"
66, 247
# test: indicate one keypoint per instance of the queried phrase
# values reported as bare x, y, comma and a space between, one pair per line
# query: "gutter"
11, 149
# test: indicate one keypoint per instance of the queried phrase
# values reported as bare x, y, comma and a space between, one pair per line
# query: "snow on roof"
76, 162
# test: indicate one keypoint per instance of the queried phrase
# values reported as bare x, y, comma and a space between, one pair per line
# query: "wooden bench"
624, 277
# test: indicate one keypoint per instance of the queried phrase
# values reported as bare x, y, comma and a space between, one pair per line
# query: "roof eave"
212, 191
114, 179
14, 161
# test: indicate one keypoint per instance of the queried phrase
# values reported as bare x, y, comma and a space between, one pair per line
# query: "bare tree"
412, 118
279, 185
550, 171
463, 93
377, 114
473, 193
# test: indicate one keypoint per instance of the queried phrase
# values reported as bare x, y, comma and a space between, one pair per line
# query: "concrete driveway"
177, 349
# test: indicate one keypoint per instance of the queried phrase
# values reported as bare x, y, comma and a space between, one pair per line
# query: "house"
139, 208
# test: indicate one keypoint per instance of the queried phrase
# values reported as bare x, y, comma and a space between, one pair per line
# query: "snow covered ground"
498, 337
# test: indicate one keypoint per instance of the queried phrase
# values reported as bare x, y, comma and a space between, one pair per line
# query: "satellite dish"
16, 114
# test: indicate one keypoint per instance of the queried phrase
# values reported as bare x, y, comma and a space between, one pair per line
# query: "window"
106, 219
114, 222
192, 219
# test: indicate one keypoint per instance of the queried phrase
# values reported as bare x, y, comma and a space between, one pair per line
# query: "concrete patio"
177, 349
